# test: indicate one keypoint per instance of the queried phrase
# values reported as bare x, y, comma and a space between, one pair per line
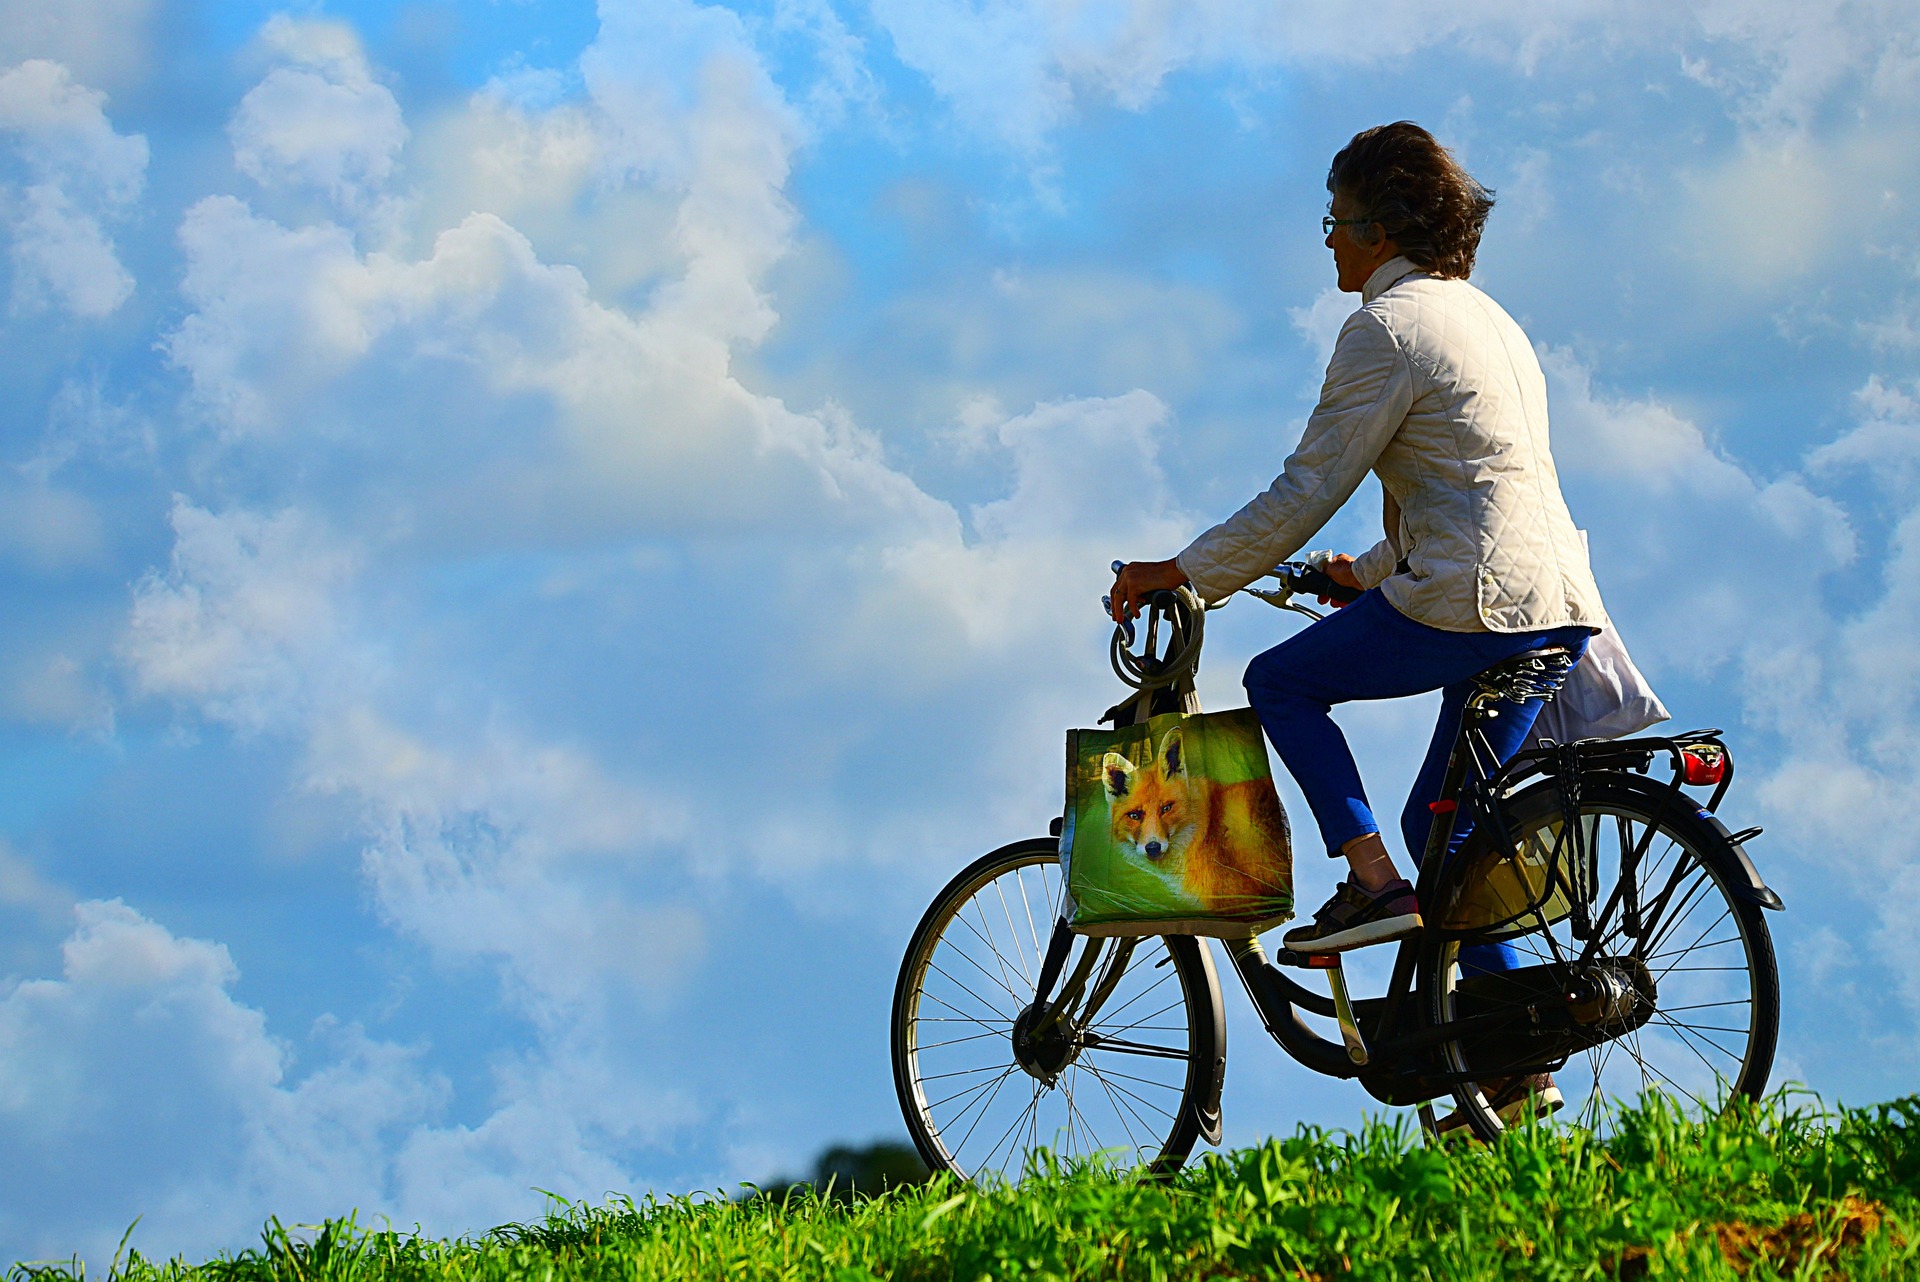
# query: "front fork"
1059, 947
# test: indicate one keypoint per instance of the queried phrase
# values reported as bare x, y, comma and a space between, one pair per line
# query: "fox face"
1217, 848
1149, 806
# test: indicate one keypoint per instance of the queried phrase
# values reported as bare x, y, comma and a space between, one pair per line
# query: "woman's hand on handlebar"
1137, 580
1339, 568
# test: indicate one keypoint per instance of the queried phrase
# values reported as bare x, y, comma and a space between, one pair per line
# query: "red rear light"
1703, 763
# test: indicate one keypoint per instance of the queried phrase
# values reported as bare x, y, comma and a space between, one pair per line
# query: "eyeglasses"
1328, 223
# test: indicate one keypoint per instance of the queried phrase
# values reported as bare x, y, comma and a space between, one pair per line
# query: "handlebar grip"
1306, 579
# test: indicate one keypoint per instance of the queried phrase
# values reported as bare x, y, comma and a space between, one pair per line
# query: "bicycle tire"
1144, 1116
1691, 1008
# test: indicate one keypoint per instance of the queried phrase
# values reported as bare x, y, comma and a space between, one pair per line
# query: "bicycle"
1638, 915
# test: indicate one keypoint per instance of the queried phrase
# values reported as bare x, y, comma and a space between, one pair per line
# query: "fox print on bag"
1210, 843
1180, 828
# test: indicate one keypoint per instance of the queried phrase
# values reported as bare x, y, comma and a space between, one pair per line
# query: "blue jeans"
1369, 650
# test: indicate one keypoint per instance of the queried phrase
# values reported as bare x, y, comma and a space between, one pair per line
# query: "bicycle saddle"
1537, 674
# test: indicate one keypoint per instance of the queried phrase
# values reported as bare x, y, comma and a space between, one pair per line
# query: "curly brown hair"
1404, 180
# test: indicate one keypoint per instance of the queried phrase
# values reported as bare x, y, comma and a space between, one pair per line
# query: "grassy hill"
1783, 1190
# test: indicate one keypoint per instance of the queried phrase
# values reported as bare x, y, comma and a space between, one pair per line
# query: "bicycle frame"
1381, 1043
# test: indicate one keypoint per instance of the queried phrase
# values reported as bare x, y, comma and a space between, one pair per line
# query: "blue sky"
534, 537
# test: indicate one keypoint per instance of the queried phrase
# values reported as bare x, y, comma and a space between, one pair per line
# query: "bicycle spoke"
1118, 1112
1119, 1010
993, 945
1698, 947
1660, 924
986, 1108
965, 1091
983, 1099
959, 1072
1133, 1027
1744, 1001
1130, 1077
1678, 1088
1122, 1110
1114, 1090
1136, 1048
1695, 946
1033, 933
963, 1017
1013, 933
963, 988
1001, 979
954, 1041
1024, 1116
1686, 1031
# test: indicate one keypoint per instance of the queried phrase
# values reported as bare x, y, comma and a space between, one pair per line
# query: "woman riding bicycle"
1437, 391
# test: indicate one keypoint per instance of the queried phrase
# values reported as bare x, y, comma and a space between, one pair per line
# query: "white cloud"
24, 888
1320, 321
53, 688
1886, 442
50, 530
104, 41
477, 396
1015, 70
1790, 58
841, 79
1690, 545
1831, 198
81, 174
140, 1051
242, 619
318, 122
485, 848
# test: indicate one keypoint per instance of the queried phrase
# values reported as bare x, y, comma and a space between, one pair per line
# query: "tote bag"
1173, 827
1604, 697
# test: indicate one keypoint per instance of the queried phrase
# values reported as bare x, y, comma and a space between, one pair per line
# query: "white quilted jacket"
1436, 389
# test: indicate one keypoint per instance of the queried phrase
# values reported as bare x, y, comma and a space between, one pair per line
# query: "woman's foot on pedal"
1513, 1099
1356, 917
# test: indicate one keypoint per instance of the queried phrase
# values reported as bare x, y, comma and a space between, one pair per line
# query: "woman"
1437, 391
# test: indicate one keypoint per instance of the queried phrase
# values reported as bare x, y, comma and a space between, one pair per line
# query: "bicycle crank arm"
1343, 1014
1272, 995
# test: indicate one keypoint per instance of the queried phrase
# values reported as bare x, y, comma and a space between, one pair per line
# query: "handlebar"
1313, 581
1297, 578
1168, 656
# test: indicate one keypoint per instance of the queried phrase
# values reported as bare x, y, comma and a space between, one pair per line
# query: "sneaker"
1510, 1098
1355, 917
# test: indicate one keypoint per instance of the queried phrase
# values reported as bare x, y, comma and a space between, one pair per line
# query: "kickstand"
1429, 1125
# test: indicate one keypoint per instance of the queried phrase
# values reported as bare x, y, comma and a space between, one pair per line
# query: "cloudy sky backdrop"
533, 538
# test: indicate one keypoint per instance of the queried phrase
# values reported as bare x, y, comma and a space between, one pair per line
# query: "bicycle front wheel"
1125, 1077
1677, 992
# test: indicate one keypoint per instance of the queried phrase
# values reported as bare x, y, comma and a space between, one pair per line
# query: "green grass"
1788, 1189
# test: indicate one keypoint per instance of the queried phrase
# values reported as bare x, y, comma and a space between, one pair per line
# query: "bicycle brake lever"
1126, 625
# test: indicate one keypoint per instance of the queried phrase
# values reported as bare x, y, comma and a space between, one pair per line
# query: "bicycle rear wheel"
1125, 1078
1680, 994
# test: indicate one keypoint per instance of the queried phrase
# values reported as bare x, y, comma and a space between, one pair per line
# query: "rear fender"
1752, 889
